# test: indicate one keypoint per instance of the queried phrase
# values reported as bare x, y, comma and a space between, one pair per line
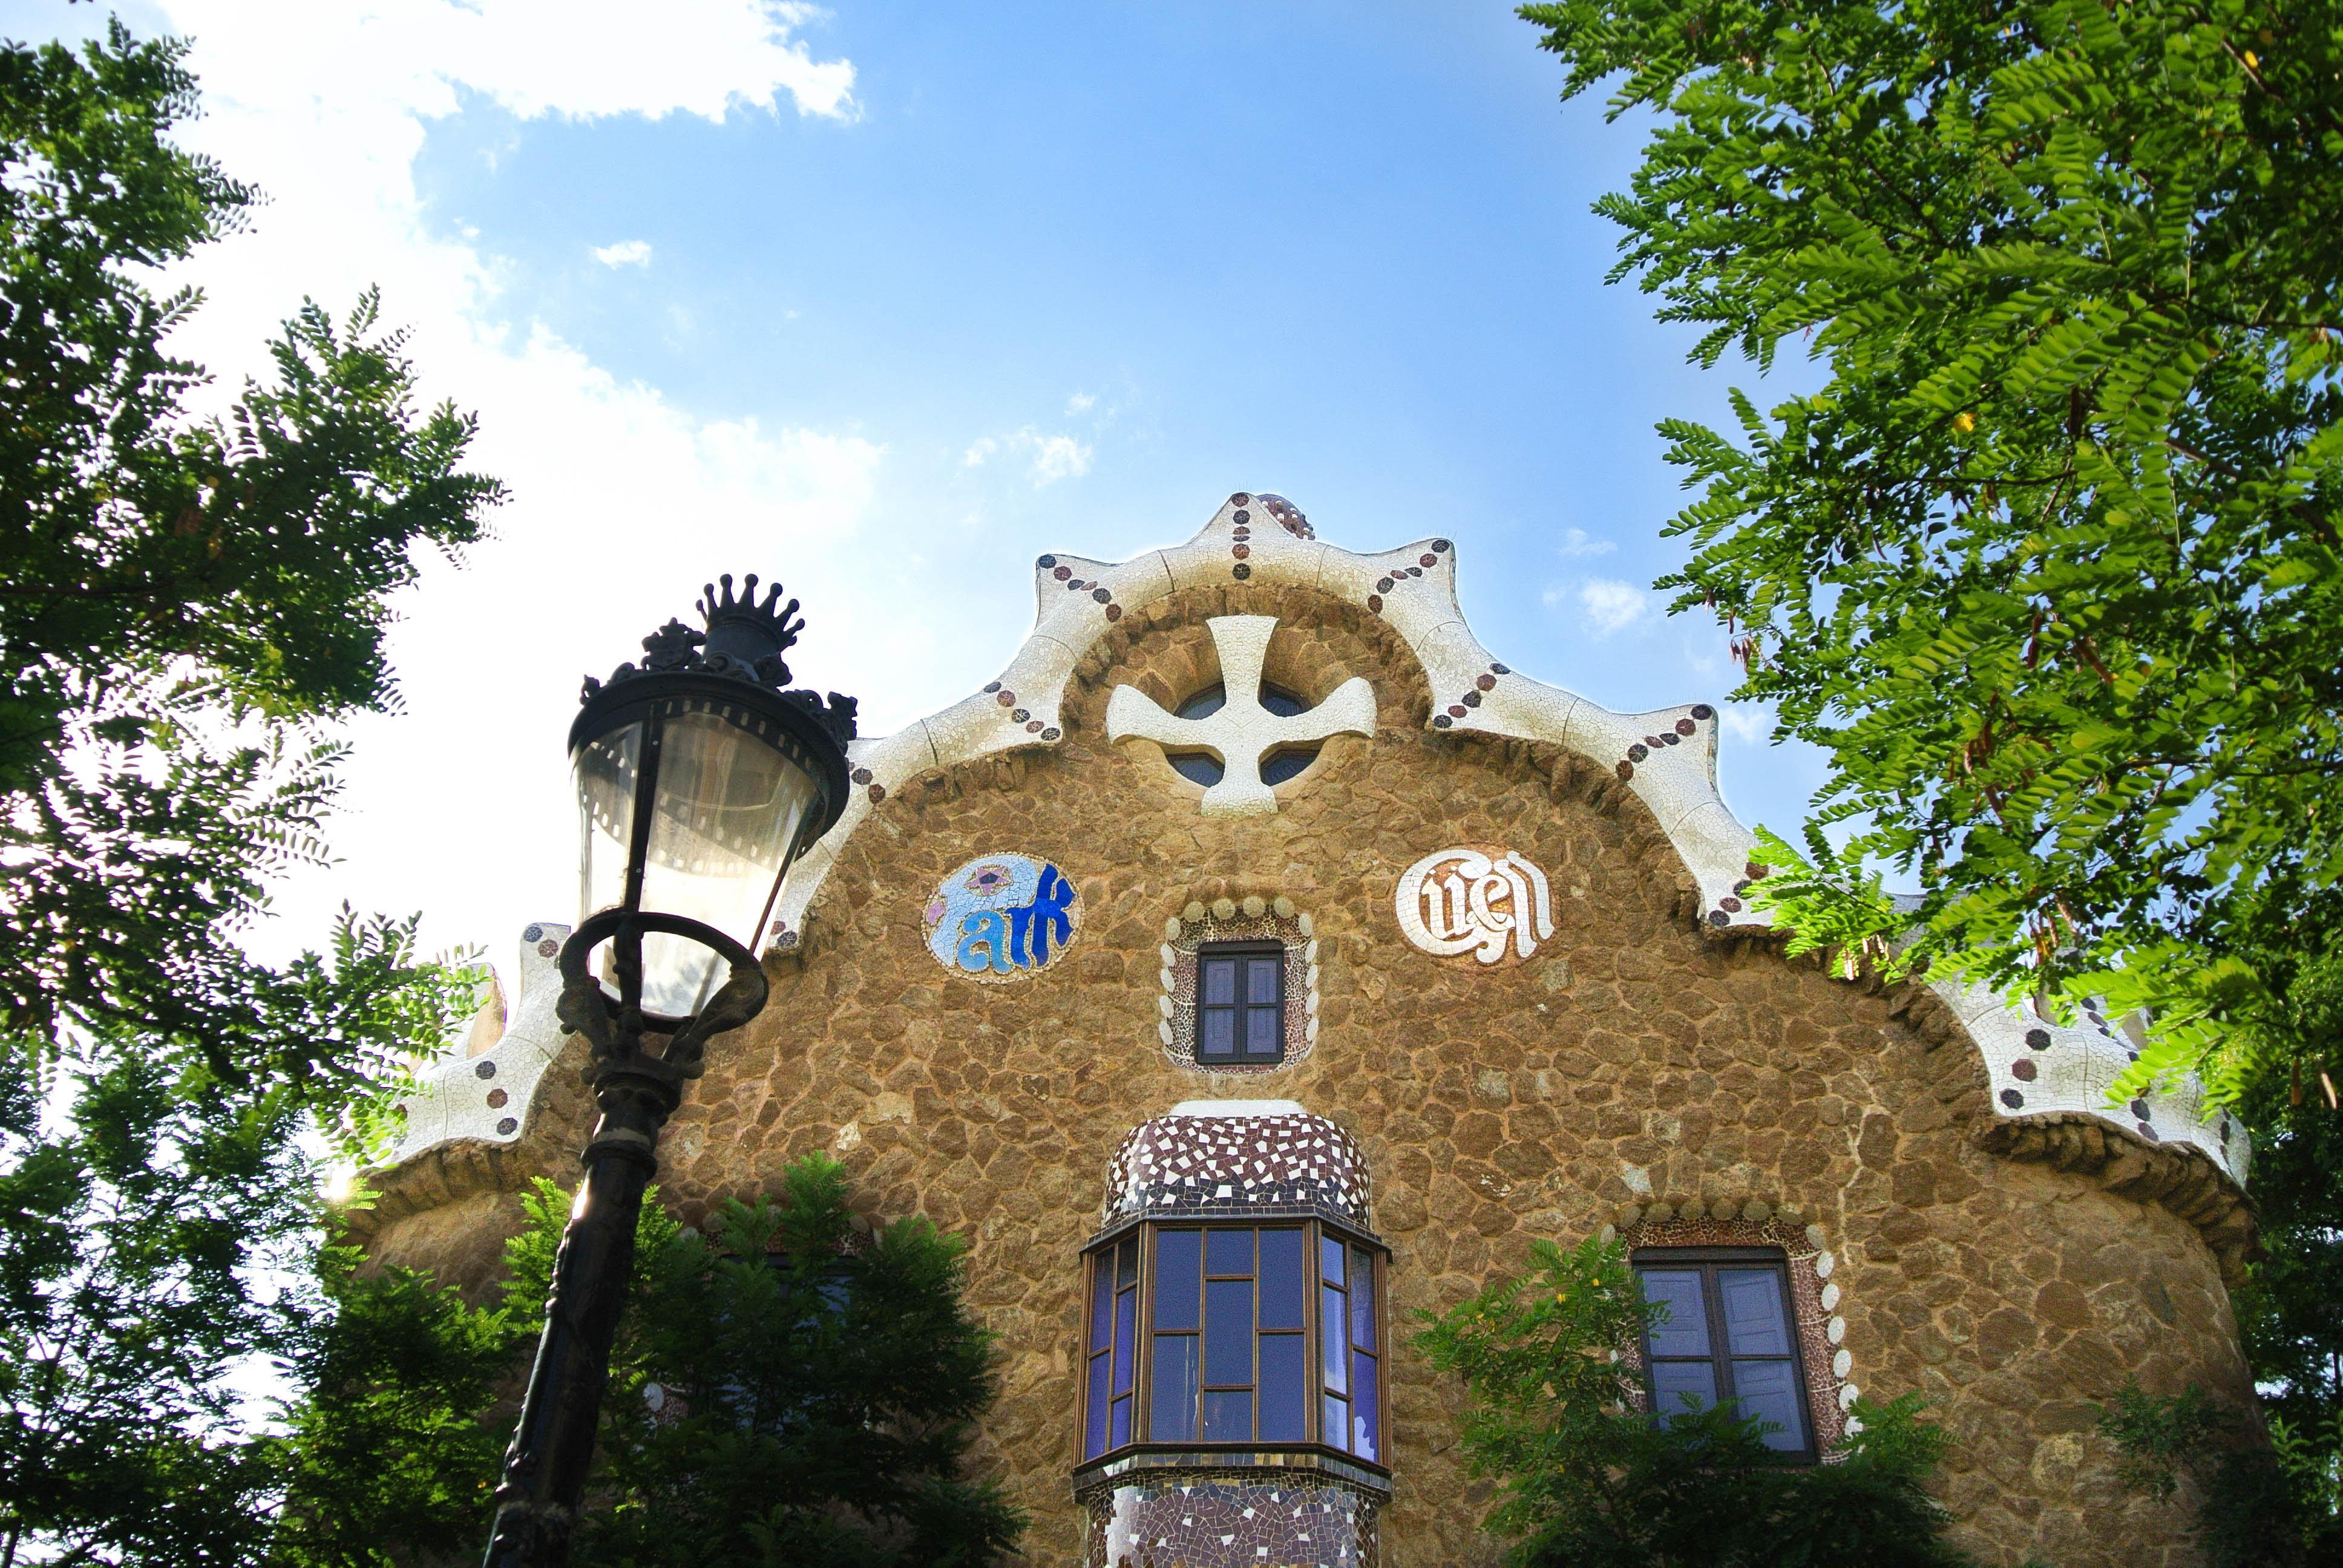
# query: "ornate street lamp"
699, 779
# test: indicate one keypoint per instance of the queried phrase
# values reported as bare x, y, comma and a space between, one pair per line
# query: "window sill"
1142, 1459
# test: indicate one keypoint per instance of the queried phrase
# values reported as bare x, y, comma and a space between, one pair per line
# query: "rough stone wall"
1630, 1061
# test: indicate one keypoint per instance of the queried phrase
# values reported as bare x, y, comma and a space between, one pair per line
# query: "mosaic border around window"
1256, 919
1224, 1518
1829, 1365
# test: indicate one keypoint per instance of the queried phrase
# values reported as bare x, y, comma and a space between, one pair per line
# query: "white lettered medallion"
1472, 900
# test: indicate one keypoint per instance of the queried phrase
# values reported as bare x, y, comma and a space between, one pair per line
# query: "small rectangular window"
1728, 1336
1241, 1003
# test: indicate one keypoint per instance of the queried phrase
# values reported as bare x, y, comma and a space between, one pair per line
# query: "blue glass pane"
1102, 1302
1362, 1407
1754, 1321
1126, 1264
1219, 982
1197, 769
1285, 704
1204, 704
1126, 1326
1280, 765
1260, 981
1362, 1299
1283, 1290
1228, 1331
1769, 1390
1332, 1359
1121, 1422
1335, 1418
1228, 1251
1177, 1255
1330, 1259
1094, 1428
1220, 1026
1261, 1031
1228, 1416
1171, 1407
1283, 1388
1685, 1331
1673, 1382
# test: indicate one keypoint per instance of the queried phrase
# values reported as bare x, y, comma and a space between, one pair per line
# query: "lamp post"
699, 780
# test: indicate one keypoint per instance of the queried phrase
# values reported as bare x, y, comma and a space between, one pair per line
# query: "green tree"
184, 601
792, 1392
1557, 1420
2262, 1506
2048, 563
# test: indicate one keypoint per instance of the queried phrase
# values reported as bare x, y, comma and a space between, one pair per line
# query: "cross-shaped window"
1241, 1003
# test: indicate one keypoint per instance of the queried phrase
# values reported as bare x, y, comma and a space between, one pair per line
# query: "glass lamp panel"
727, 805
604, 770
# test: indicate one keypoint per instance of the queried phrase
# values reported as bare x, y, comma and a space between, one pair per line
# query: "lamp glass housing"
728, 790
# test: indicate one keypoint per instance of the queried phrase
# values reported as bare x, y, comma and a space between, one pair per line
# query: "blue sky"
887, 299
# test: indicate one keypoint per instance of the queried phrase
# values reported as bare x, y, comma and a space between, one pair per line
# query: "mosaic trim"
1253, 920
1234, 1157
459, 1095
1203, 1521
1412, 590
1814, 1296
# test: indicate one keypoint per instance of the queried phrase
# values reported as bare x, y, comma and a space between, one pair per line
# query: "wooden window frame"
1097, 1266
1707, 1260
1205, 953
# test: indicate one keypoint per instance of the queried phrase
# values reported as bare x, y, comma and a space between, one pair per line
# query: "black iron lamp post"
699, 779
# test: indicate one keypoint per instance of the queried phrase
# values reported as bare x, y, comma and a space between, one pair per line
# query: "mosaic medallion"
1001, 917
1477, 902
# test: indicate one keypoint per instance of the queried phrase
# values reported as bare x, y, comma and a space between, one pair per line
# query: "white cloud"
1613, 606
621, 502
1054, 457
1747, 722
626, 253
1576, 542
1081, 403
1059, 458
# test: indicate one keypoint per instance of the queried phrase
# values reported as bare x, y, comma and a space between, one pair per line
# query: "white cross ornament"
1242, 731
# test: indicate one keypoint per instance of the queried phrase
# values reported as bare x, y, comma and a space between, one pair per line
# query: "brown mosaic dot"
2023, 1070
878, 793
1757, 870
1063, 573
1486, 682
547, 948
1428, 560
1240, 499
1455, 710
1033, 727
1005, 697
1114, 612
1375, 603
1732, 904
1241, 551
1686, 727
496, 1098
1626, 769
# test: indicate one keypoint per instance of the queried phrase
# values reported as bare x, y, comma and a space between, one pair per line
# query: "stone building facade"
1360, 979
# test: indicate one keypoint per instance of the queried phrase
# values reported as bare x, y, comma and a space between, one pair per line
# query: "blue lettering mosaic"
1000, 917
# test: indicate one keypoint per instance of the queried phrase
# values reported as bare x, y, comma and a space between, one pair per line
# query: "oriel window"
1264, 1335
